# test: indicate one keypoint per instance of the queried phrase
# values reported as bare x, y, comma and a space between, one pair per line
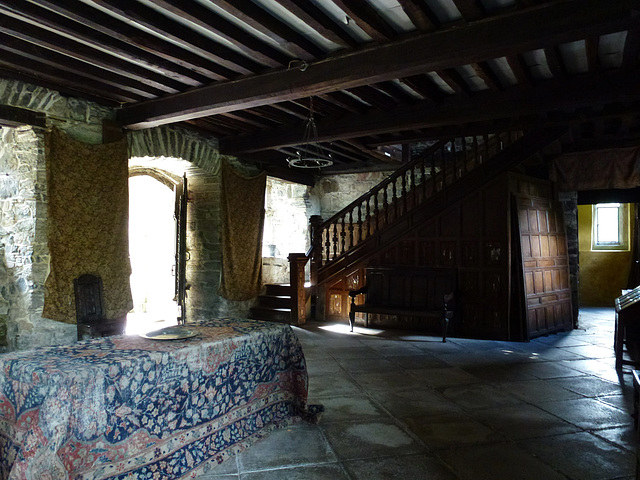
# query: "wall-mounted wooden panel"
543, 251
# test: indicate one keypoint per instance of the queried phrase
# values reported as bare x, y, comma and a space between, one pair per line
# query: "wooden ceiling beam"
631, 51
555, 63
423, 85
235, 63
287, 38
484, 106
488, 76
63, 66
532, 28
15, 116
62, 25
319, 21
455, 81
420, 15
469, 9
520, 70
119, 29
38, 73
374, 97
56, 49
207, 19
591, 46
367, 18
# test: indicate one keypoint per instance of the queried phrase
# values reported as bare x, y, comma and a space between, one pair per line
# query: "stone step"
281, 315
278, 289
274, 301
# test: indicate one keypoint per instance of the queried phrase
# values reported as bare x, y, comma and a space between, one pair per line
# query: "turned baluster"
376, 213
360, 237
423, 177
404, 192
327, 243
335, 240
385, 204
475, 156
412, 185
343, 236
433, 173
368, 216
394, 198
351, 243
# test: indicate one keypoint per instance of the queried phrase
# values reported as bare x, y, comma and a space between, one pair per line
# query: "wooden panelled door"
545, 266
180, 214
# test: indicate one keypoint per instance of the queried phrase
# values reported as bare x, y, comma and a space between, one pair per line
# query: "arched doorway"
152, 251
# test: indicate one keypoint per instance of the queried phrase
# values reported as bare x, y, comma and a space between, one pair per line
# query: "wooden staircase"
274, 305
440, 176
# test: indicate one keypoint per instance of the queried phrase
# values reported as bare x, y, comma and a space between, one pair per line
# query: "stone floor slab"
504, 461
401, 467
583, 456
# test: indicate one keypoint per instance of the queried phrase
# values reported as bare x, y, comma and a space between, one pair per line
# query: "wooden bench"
426, 292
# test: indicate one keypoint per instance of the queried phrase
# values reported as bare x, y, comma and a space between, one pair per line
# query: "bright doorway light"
151, 249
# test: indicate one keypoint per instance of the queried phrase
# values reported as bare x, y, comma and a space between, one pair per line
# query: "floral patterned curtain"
88, 192
242, 224
597, 170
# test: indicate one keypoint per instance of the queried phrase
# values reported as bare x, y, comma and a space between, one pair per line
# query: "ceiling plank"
41, 40
189, 39
563, 21
40, 16
66, 66
207, 19
484, 106
38, 73
292, 41
119, 29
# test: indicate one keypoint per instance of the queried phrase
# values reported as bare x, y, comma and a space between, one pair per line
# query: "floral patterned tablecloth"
130, 407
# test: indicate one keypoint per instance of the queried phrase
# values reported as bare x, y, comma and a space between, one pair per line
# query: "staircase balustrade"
432, 171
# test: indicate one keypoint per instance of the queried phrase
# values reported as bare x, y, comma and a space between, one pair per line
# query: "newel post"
316, 248
297, 262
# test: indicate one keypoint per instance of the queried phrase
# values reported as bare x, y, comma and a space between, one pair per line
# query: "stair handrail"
439, 176
387, 181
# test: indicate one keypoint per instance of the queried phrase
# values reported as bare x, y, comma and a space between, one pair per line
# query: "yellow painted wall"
603, 274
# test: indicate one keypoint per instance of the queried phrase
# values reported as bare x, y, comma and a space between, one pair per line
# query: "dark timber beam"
485, 106
548, 24
15, 117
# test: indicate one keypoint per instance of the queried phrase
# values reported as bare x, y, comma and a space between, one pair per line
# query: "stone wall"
289, 207
335, 192
25, 262
23, 241
24, 265
286, 227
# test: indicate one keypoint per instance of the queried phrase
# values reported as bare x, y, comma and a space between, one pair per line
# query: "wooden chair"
89, 312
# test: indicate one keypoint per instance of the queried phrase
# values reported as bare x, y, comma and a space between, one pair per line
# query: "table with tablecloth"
132, 407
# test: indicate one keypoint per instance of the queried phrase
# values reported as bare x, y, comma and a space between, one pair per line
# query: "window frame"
623, 228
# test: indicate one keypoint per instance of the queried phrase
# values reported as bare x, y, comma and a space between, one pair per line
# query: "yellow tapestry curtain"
88, 190
243, 213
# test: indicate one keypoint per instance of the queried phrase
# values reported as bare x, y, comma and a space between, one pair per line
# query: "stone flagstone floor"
406, 406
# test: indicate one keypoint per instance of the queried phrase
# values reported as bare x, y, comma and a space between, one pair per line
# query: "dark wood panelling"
543, 249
